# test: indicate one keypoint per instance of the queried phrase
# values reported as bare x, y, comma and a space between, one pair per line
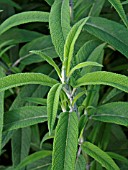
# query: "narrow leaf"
36, 100
115, 112
23, 18
106, 78
103, 158
65, 142
52, 105
25, 78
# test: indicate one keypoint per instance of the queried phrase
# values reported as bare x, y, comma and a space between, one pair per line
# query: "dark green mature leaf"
103, 158
33, 157
115, 112
23, 18
25, 78
109, 31
65, 142
24, 116
106, 78
52, 105
11, 3
59, 23
119, 8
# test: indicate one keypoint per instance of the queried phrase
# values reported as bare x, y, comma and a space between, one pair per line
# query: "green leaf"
25, 78
36, 100
59, 23
1, 110
106, 78
109, 31
103, 158
11, 3
49, 60
65, 142
84, 64
115, 112
24, 116
23, 18
33, 157
80, 163
52, 105
119, 8
70, 43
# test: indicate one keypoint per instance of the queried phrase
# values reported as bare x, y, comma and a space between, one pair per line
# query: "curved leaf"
106, 78
23, 18
25, 78
115, 112
103, 158
65, 142
24, 116
59, 23
52, 105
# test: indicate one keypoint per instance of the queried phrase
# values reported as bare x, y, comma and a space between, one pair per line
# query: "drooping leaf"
115, 112
49, 60
52, 105
23, 18
24, 116
59, 23
103, 158
65, 142
109, 31
70, 42
106, 78
25, 78
119, 8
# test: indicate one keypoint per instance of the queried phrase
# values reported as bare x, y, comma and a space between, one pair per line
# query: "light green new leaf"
84, 64
109, 31
1, 110
59, 23
106, 78
25, 78
103, 158
70, 43
24, 116
115, 112
49, 60
65, 142
119, 8
52, 105
23, 18
33, 157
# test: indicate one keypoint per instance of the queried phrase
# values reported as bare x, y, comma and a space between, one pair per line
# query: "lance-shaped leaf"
103, 158
84, 64
65, 142
106, 78
119, 8
24, 116
115, 112
1, 110
109, 31
25, 78
59, 23
49, 60
70, 43
52, 105
23, 18
11, 3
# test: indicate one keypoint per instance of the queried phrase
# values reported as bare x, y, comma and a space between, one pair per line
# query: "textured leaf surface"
106, 78
81, 163
23, 18
52, 105
118, 6
25, 78
65, 142
24, 116
109, 31
59, 23
116, 112
70, 42
103, 158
